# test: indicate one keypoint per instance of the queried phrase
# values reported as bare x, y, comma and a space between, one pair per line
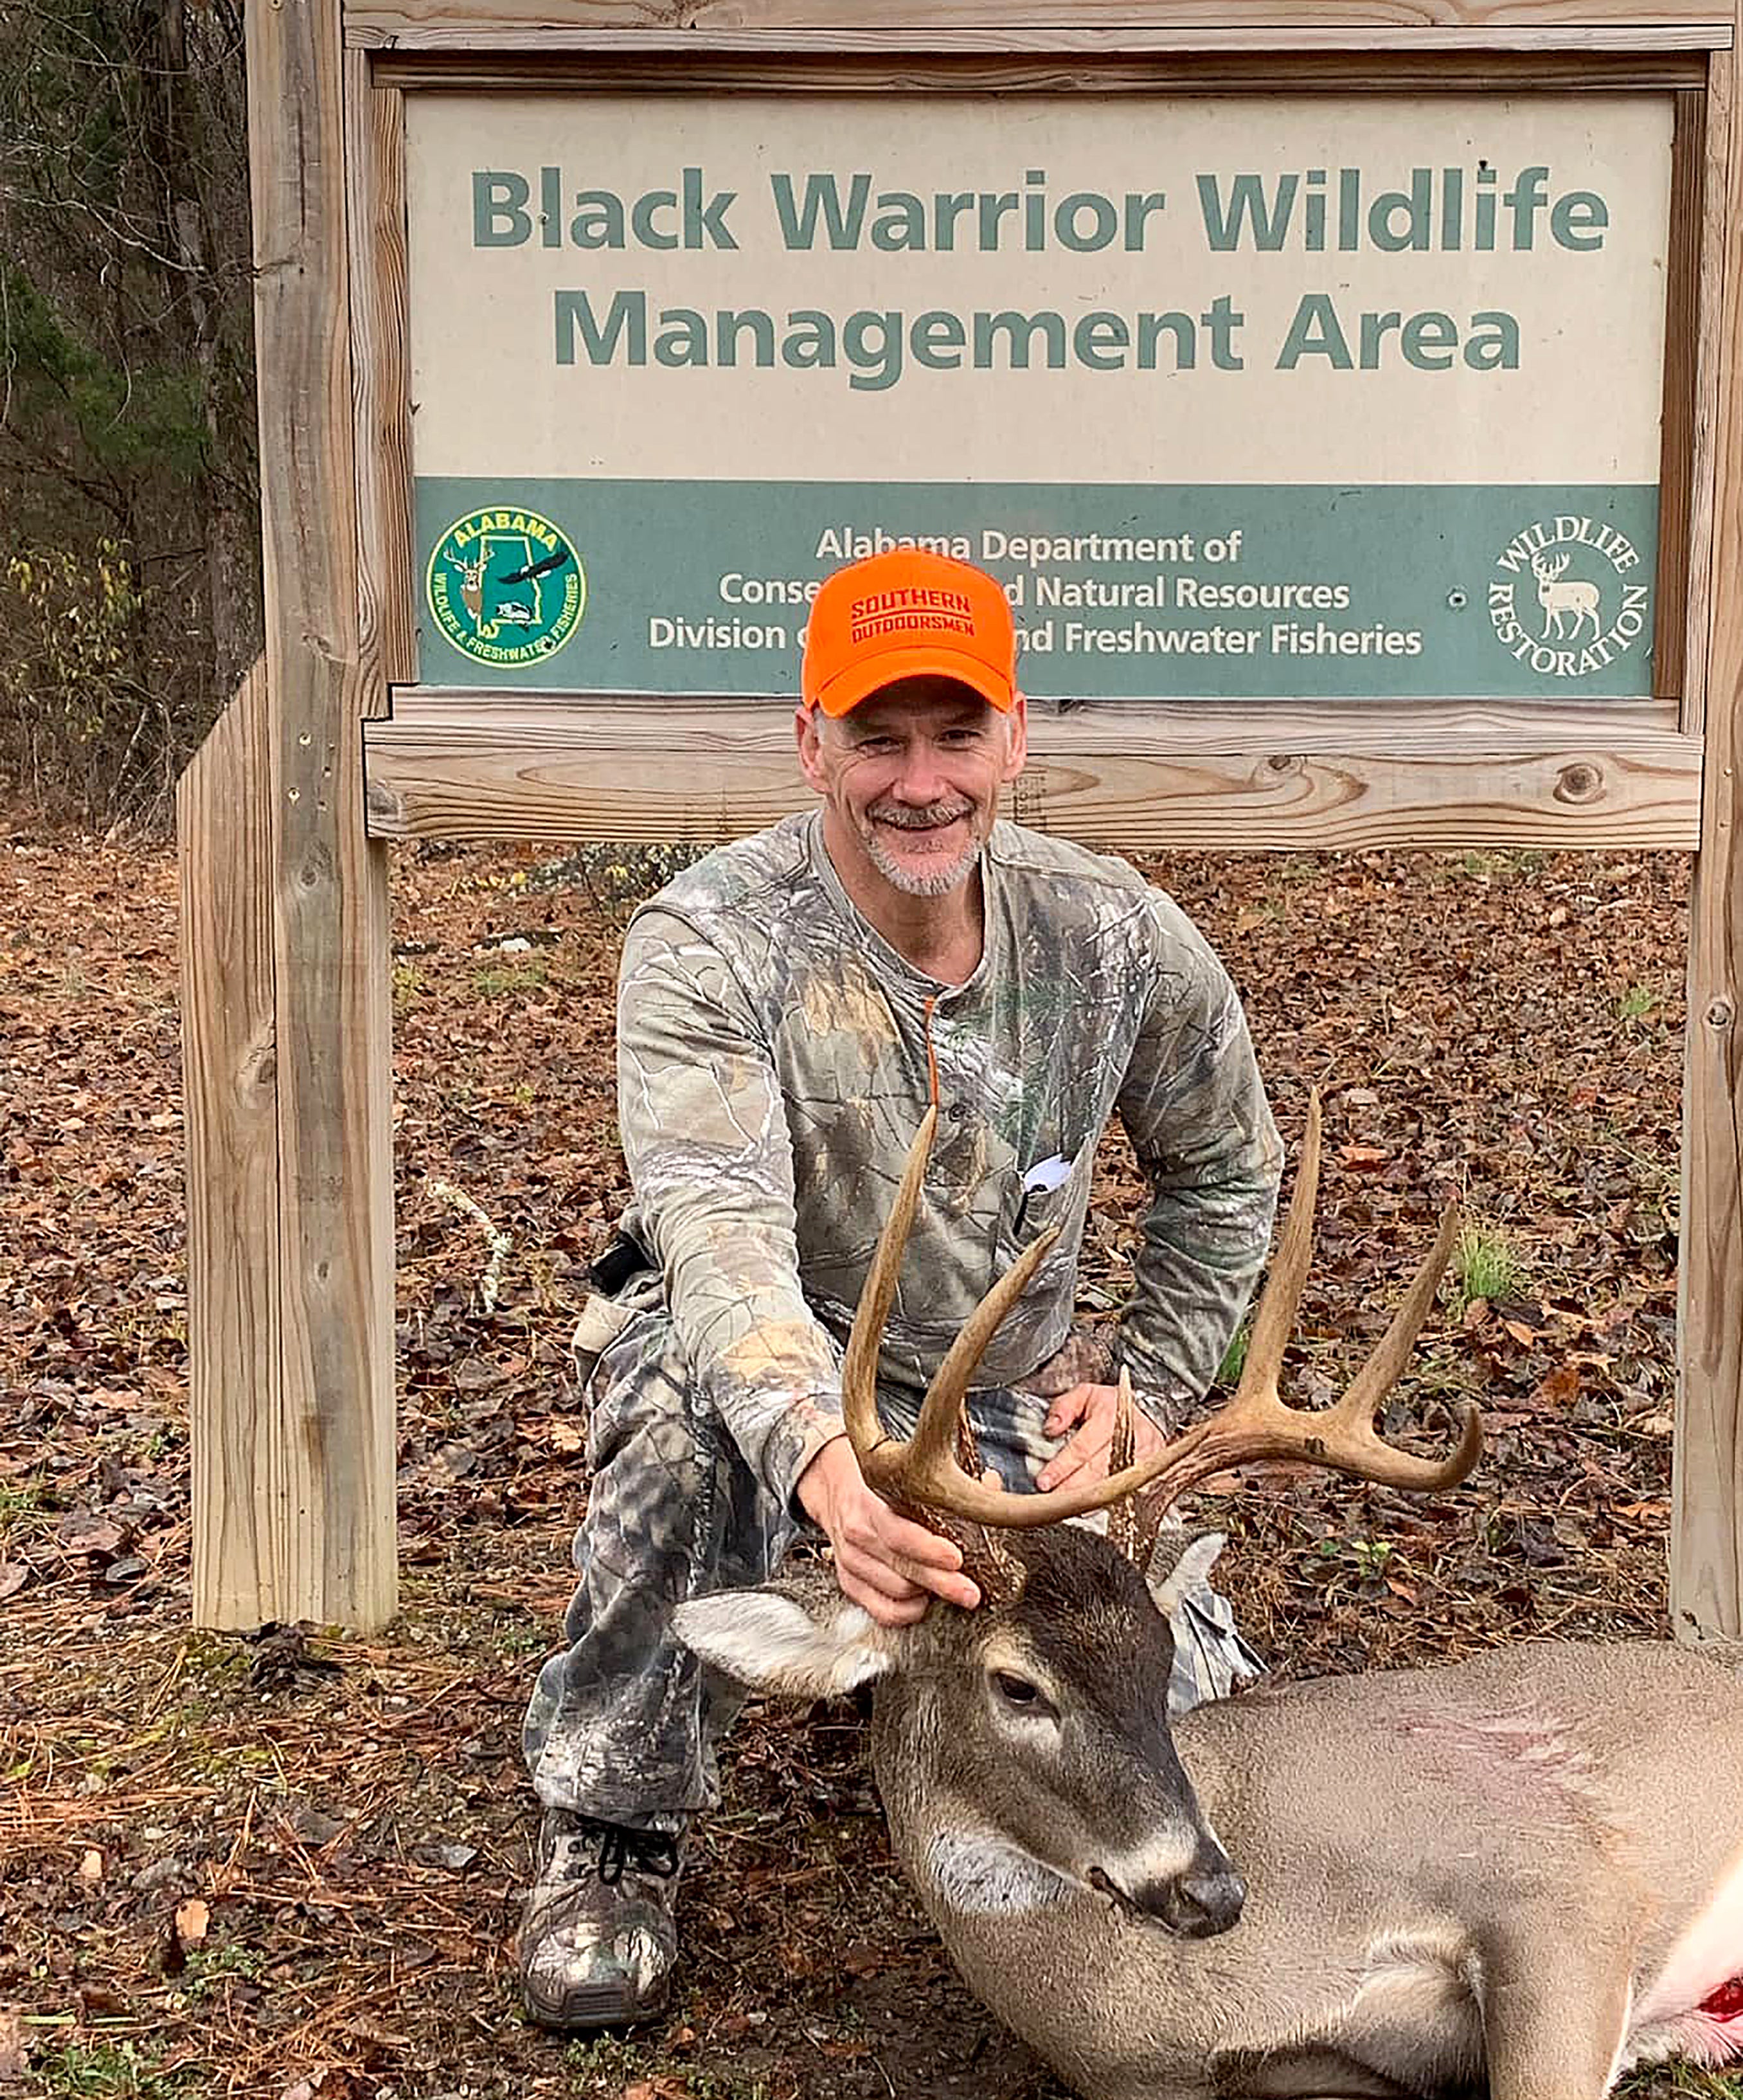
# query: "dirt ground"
288, 1865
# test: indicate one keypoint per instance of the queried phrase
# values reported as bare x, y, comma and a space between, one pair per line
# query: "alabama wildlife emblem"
505, 586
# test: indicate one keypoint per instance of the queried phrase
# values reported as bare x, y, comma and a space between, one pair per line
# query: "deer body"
1575, 601
1543, 1848
1509, 1878
472, 582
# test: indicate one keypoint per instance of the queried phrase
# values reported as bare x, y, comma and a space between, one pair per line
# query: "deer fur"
1514, 1876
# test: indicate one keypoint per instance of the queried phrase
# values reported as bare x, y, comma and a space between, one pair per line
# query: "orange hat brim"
860, 681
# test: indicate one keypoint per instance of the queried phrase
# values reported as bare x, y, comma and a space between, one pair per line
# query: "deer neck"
961, 1862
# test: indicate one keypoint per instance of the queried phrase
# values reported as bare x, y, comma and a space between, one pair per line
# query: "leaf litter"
288, 1863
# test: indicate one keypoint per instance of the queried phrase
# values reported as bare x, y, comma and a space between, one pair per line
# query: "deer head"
1023, 1749
472, 580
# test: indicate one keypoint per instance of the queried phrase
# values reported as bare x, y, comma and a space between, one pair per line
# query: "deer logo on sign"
1562, 601
1581, 627
504, 586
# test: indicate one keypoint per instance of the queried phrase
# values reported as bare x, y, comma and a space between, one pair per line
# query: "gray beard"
939, 883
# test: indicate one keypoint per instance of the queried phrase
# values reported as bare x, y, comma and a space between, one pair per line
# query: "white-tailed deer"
472, 581
1561, 601
1516, 1877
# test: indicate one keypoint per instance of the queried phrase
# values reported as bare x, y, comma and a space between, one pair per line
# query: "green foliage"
512, 978
1486, 1265
77, 703
127, 419
1486, 866
612, 2064
20, 1508
604, 2059
211, 1966
1234, 1356
71, 615
1370, 1556
106, 2071
1637, 1001
1685, 2080
616, 877
129, 532
1366, 1559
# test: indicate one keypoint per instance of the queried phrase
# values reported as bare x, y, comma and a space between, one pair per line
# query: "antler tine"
1274, 1316
923, 1471
1353, 1415
1124, 1526
859, 1363
1256, 1424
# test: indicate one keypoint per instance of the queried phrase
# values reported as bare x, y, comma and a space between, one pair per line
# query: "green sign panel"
703, 587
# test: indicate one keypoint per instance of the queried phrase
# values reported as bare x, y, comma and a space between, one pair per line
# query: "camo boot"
597, 1939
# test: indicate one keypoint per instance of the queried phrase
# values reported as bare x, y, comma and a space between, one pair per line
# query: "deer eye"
1019, 1692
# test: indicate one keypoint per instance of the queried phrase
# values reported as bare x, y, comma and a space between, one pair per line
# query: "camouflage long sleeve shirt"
772, 1070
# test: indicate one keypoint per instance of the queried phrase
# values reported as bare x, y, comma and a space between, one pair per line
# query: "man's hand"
889, 1567
1093, 1409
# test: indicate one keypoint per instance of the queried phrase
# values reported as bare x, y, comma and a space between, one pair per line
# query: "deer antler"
923, 1472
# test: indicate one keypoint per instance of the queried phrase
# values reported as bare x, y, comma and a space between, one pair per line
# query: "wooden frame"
1275, 775
1270, 29
1707, 1568
307, 1299
286, 1025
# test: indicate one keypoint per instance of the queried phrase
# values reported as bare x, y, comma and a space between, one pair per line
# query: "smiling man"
784, 1006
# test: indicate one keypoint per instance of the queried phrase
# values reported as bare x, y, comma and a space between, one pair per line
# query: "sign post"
1341, 408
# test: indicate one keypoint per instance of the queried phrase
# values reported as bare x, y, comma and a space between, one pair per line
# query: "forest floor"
289, 1865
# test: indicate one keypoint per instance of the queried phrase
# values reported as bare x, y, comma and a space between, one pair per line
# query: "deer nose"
1206, 1899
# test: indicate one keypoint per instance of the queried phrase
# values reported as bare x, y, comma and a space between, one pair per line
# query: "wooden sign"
1343, 392
1237, 398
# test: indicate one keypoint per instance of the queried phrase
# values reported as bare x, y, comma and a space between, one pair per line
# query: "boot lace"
643, 1851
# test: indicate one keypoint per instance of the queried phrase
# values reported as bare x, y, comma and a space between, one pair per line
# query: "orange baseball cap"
905, 614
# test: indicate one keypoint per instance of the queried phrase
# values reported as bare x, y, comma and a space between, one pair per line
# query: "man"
782, 1007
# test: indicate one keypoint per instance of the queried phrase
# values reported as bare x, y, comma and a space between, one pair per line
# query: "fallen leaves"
329, 2081
333, 1832
1559, 1387
187, 1928
1364, 1158
14, 2057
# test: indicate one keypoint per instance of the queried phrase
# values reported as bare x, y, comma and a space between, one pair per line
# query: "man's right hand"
889, 1567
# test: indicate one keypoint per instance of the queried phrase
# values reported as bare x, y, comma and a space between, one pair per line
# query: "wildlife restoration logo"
505, 586
1564, 599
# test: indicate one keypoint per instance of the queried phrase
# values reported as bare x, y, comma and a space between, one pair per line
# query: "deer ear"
795, 1643
1190, 1570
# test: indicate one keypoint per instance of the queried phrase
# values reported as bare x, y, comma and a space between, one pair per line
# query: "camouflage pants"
623, 1719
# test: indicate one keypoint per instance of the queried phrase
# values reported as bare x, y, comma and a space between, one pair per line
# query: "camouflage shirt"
772, 1071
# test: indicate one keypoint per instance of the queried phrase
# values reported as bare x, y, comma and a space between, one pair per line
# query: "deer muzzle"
1206, 1899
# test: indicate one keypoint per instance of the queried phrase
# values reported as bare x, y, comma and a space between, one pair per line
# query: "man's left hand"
1091, 1410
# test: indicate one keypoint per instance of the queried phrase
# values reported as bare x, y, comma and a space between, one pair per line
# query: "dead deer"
1517, 1876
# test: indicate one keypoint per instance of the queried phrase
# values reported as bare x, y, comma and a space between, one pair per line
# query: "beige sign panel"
1039, 288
